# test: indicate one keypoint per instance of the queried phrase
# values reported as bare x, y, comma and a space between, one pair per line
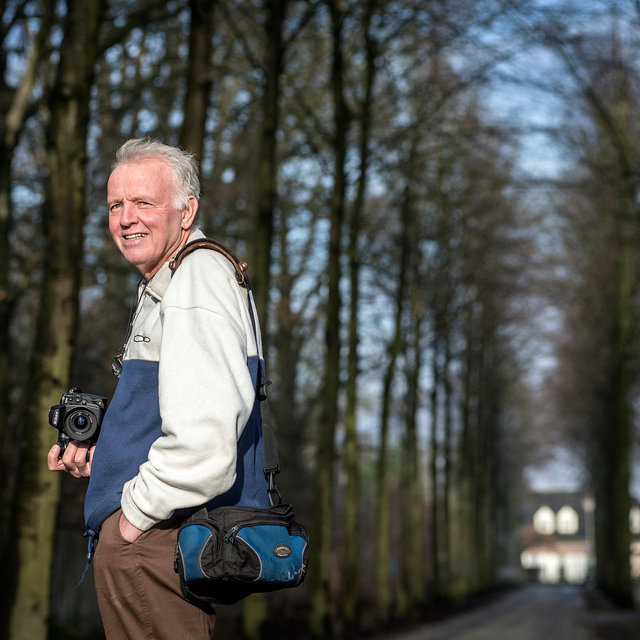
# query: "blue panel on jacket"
121, 450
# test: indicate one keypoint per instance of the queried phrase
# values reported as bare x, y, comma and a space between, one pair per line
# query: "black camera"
78, 417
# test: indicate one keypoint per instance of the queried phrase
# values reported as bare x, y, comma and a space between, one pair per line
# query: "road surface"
538, 612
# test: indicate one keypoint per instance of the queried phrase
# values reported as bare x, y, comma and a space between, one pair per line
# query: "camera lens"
80, 422
80, 425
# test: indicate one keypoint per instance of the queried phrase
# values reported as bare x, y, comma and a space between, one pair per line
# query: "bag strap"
207, 243
269, 447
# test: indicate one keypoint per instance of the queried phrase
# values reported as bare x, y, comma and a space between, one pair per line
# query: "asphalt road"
538, 612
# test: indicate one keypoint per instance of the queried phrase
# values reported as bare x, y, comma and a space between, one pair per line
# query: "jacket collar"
160, 280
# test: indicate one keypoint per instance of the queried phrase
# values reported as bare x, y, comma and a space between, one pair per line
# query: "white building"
558, 537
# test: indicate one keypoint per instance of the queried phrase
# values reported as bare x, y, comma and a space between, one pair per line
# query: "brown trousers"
139, 592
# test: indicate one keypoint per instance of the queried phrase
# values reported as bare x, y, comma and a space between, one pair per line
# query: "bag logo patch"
282, 551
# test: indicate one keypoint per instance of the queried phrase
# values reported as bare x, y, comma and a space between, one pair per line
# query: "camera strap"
116, 363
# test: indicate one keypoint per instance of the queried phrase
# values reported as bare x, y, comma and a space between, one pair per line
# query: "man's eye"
114, 207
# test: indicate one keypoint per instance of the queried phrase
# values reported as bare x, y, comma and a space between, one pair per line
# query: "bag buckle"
273, 490
262, 391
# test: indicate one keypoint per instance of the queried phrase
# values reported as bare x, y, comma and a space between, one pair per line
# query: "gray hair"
183, 165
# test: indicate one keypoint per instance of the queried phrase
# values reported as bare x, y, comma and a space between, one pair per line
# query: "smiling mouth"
135, 236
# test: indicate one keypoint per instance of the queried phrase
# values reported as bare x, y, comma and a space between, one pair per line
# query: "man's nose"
128, 215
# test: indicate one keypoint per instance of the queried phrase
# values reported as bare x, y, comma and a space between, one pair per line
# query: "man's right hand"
76, 459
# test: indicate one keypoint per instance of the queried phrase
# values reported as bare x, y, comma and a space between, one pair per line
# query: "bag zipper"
231, 534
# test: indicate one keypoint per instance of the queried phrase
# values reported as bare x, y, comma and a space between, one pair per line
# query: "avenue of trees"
403, 264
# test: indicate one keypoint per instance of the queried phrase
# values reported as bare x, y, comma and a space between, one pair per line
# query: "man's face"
143, 221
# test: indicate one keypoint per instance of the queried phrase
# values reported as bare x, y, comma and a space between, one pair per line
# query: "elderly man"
183, 427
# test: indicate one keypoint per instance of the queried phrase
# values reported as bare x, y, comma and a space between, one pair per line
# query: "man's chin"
134, 258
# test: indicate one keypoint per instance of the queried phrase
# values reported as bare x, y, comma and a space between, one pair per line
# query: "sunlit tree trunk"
63, 222
11, 124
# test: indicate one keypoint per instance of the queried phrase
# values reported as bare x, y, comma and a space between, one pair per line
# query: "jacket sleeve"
205, 390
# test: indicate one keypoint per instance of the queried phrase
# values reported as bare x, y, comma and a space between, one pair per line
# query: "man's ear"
189, 214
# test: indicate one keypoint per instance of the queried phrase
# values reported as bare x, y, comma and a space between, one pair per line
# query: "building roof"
578, 501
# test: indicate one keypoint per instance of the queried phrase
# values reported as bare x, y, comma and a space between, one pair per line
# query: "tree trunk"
611, 467
352, 461
414, 556
384, 587
63, 220
267, 178
199, 76
447, 454
608, 91
351, 456
434, 451
11, 124
321, 600
465, 570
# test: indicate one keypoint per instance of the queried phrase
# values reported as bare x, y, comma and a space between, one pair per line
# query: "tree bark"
199, 76
611, 453
384, 587
434, 452
11, 125
414, 556
447, 454
321, 599
351, 457
63, 221
607, 89
266, 183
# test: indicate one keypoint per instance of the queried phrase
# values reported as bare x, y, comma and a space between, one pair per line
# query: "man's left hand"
127, 530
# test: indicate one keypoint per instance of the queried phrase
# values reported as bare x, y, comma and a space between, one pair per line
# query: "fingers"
53, 462
76, 459
127, 530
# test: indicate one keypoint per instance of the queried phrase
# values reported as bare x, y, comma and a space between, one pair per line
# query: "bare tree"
63, 224
19, 103
604, 272
321, 613
199, 76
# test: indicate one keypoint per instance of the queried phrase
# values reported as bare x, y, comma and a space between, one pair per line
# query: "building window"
567, 521
544, 520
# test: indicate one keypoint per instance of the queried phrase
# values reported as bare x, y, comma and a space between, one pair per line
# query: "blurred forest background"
439, 204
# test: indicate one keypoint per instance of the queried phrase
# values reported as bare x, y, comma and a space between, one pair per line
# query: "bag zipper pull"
231, 534
176, 558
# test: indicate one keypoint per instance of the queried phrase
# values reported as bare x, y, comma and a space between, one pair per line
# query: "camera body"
78, 417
